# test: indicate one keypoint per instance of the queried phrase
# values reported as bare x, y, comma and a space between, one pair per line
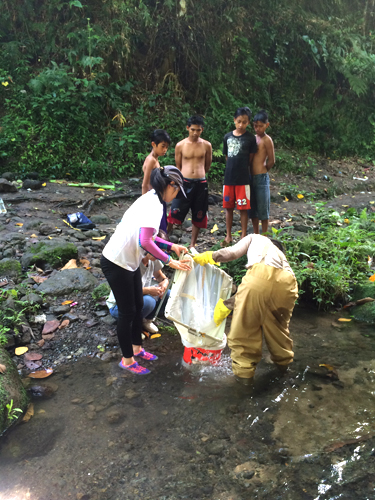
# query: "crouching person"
264, 303
152, 294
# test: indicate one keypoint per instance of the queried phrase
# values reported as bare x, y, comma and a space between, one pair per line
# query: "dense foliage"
330, 260
83, 84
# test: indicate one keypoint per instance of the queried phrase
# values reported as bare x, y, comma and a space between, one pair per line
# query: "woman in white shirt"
135, 236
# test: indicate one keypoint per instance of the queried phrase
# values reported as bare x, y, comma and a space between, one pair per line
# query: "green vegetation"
13, 312
101, 291
12, 412
82, 84
331, 261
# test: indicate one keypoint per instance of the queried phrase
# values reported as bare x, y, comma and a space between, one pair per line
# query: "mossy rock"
365, 289
10, 268
56, 253
100, 291
11, 388
365, 313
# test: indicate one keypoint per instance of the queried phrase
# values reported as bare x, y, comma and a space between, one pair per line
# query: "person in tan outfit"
263, 304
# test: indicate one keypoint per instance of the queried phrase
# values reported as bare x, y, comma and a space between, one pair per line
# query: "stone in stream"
56, 252
7, 187
32, 184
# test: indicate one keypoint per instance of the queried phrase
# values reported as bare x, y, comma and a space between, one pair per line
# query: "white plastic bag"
194, 295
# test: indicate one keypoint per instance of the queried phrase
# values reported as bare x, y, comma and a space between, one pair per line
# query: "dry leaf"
20, 350
50, 326
155, 336
64, 324
349, 304
215, 228
29, 413
19, 224
44, 184
72, 264
48, 336
100, 189
33, 236
329, 367
3, 368
85, 263
41, 373
32, 356
372, 278
300, 196
41, 343
344, 319
39, 279
66, 302
99, 238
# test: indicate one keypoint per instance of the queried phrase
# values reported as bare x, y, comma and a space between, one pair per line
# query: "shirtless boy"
262, 162
193, 157
160, 142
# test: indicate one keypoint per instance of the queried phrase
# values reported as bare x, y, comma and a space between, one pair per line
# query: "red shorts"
236, 195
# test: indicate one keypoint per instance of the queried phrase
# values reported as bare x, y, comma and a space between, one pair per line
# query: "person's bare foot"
226, 242
2, 368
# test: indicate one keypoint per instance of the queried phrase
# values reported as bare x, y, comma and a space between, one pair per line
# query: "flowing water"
198, 434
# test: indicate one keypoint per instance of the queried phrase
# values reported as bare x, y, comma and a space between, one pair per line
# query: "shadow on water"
198, 434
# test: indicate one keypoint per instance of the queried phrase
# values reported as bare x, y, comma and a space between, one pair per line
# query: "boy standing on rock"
263, 161
239, 148
193, 157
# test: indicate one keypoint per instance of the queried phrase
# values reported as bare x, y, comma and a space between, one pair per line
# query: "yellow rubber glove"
221, 312
205, 258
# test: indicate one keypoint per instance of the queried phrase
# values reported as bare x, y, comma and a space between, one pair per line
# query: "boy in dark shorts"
193, 157
160, 141
239, 149
262, 162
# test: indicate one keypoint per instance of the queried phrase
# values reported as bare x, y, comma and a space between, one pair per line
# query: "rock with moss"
56, 252
362, 290
101, 291
11, 388
365, 313
10, 268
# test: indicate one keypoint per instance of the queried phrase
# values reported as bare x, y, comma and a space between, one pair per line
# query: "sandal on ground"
146, 355
134, 368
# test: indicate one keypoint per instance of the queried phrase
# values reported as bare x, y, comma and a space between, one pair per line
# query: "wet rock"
71, 317
114, 416
45, 229
60, 309
81, 250
248, 474
173, 238
9, 176
43, 390
67, 281
33, 298
100, 219
366, 312
32, 224
216, 447
338, 384
95, 263
108, 320
107, 356
7, 187
101, 314
11, 237
32, 175
26, 335
32, 184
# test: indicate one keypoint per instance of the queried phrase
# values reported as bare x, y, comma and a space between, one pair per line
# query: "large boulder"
7, 187
67, 281
362, 290
11, 388
365, 313
56, 252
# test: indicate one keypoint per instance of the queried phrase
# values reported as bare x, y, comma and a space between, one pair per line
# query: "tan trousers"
264, 301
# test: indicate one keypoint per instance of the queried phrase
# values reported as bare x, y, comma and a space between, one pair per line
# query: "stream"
197, 434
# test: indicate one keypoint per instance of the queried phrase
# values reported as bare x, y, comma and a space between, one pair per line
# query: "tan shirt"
255, 246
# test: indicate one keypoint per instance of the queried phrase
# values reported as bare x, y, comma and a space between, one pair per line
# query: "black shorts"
196, 199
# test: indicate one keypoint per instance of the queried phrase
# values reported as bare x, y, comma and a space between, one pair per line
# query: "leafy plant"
12, 412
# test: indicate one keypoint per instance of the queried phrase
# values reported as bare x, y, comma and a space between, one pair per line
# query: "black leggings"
127, 289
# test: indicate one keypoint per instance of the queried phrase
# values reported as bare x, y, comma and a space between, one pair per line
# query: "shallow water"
198, 434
